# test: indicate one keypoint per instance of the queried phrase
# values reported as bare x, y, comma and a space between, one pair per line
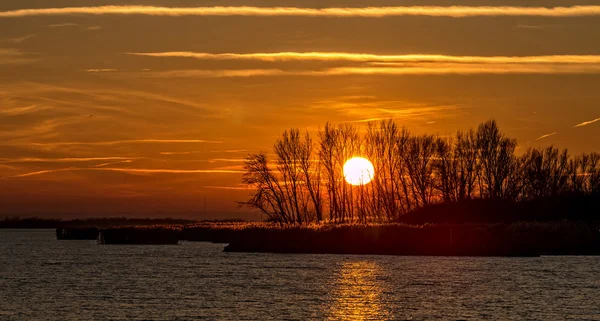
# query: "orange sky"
149, 110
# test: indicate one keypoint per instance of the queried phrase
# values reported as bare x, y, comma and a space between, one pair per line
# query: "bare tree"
268, 196
311, 170
308, 185
419, 160
545, 172
498, 162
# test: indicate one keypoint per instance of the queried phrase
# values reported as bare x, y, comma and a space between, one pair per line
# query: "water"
45, 279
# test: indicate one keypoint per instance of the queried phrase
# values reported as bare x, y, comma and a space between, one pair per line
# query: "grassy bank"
444, 239
517, 239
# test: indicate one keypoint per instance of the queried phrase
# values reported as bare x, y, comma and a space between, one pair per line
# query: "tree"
497, 177
268, 195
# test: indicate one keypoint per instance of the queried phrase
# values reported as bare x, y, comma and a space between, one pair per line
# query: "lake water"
45, 279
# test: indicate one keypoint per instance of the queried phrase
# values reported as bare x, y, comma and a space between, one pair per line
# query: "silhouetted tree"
268, 195
498, 162
545, 172
307, 184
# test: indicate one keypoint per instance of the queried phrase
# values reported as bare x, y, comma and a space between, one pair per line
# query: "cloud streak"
131, 171
343, 12
546, 136
132, 141
101, 70
375, 64
365, 57
585, 123
63, 160
421, 69
9, 56
62, 25
20, 39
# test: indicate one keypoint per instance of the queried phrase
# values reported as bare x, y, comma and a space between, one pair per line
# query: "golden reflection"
357, 293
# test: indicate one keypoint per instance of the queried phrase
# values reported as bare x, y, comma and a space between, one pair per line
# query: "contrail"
585, 123
546, 136
367, 12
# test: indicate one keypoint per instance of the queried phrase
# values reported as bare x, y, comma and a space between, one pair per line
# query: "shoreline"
523, 239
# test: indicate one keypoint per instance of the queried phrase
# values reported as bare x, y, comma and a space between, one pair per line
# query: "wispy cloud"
530, 27
222, 73
420, 69
201, 152
469, 69
585, 123
181, 153
62, 25
545, 136
131, 171
230, 151
63, 160
14, 56
370, 12
226, 160
409, 64
366, 57
115, 163
101, 70
242, 188
131, 141
20, 39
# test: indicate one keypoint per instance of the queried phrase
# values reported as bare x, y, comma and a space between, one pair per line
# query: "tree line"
305, 182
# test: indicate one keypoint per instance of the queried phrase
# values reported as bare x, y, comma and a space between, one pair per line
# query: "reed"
515, 239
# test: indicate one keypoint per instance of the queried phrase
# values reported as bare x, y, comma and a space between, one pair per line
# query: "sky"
147, 108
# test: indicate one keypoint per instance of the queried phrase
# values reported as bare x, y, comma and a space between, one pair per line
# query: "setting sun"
358, 171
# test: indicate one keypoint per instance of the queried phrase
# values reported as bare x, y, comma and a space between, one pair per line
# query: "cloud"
223, 73
61, 25
115, 163
469, 69
585, 123
230, 187
365, 57
101, 70
20, 39
530, 27
367, 111
10, 56
545, 136
230, 151
181, 153
61, 160
410, 64
131, 171
369, 12
226, 160
70, 24
414, 69
131, 141
201, 152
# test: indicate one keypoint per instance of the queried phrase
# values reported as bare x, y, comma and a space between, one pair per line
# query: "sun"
358, 171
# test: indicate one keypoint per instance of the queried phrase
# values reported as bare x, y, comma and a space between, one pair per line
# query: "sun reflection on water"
357, 293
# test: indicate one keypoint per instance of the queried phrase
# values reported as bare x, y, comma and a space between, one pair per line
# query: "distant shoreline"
520, 239
100, 222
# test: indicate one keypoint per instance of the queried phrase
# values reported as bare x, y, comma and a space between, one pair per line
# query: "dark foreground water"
45, 279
